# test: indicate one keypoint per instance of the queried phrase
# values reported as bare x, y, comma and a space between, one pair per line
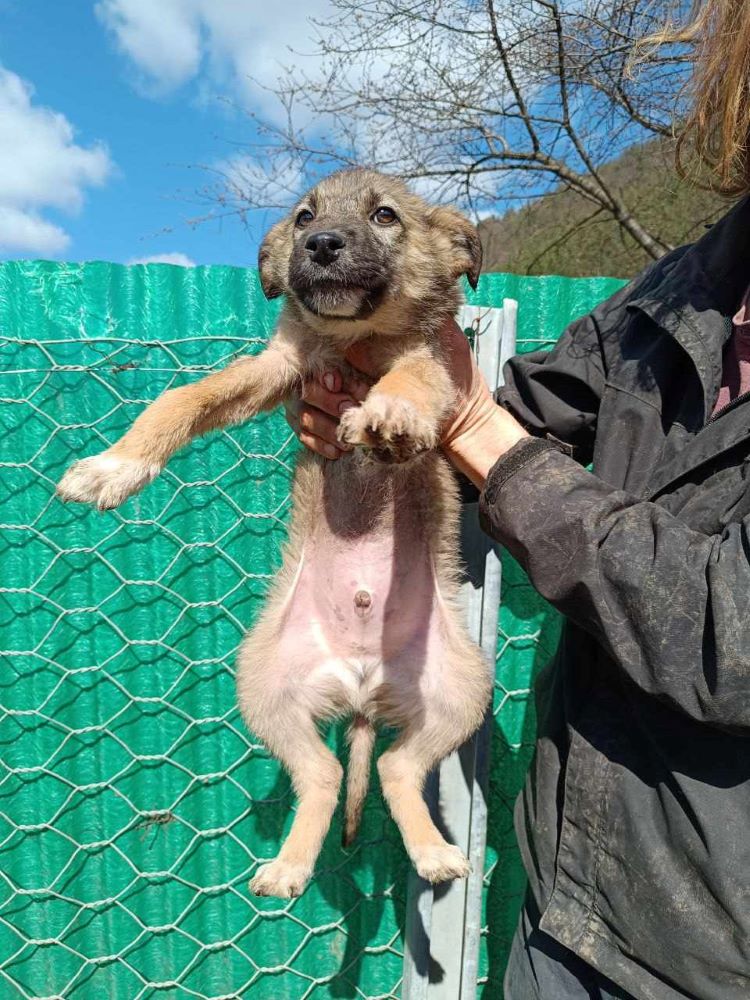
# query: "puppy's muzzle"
324, 247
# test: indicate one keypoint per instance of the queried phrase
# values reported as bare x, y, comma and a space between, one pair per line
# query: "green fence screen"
134, 805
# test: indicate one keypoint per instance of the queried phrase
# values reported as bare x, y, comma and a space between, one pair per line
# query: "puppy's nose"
324, 247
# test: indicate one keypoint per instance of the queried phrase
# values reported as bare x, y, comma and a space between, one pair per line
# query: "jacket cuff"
524, 453
516, 458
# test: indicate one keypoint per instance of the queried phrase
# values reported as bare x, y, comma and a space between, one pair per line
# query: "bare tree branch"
483, 103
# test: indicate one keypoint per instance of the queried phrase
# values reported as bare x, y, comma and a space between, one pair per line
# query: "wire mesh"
134, 804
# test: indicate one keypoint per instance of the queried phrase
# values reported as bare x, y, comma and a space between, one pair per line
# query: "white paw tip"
442, 863
280, 879
105, 480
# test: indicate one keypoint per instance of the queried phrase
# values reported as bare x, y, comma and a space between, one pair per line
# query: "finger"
319, 446
335, 382
461, 360
348, 387
315, 394
357, 388
319, 424
332, 380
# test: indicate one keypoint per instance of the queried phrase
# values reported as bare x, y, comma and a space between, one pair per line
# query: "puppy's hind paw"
390, 427
441, 862
105, 480
280, 878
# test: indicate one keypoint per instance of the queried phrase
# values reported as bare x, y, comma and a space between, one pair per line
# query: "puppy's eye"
384, 216
304, 218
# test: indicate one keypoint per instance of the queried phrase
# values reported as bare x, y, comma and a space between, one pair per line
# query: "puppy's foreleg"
237, 393
403, 413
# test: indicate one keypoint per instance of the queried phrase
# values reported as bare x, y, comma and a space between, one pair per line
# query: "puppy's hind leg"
316, 777
403, 769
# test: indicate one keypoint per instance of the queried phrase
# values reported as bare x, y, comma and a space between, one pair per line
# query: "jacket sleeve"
670, 605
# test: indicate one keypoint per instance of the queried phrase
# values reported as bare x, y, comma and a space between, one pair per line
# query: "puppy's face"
360, 239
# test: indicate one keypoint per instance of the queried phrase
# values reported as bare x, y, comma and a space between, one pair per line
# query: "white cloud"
179, 259
236, 49
26, 232
41, 167
163, 39
221, 44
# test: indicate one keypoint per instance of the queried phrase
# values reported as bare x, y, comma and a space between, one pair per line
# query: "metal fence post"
443, 923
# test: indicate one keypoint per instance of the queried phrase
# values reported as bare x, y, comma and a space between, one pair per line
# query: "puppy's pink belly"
362, 600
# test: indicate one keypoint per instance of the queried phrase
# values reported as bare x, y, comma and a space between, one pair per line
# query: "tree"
483, 102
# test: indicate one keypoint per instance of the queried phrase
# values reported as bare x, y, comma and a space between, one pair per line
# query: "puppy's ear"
268, 257
464, 239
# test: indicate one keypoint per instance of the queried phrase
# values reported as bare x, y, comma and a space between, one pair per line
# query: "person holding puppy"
634, 823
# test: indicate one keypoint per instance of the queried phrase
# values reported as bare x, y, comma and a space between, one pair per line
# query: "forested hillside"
563, 233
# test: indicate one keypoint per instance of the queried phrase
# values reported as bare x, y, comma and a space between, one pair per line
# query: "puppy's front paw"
280, 878
390, 427
441, 862
105, 480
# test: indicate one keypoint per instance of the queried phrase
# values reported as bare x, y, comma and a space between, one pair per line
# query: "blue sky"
148, 91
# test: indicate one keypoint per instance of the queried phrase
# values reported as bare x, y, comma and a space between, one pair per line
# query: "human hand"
478, 431
314, 417
475, 434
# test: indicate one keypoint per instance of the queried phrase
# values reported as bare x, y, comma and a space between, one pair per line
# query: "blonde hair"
716, 129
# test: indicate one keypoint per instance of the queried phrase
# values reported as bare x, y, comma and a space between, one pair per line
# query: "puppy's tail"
361, 738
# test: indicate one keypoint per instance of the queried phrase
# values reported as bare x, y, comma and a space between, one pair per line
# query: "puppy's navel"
363, 603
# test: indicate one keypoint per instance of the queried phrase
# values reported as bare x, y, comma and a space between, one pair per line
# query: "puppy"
362, 619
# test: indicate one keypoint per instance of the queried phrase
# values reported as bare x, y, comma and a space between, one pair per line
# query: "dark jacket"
635, 820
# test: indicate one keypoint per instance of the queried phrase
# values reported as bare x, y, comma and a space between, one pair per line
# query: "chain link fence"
134, 804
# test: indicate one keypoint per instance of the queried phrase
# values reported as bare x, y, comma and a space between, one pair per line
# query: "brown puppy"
362, 618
